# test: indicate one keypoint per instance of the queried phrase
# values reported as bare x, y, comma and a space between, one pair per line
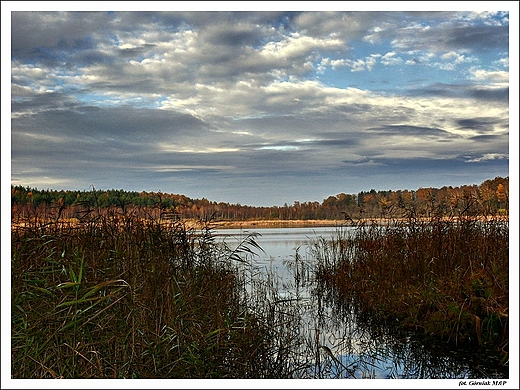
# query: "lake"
328, 342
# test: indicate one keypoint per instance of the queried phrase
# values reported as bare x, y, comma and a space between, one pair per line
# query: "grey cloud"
490, 143
310, 144
477, 124
419, 166
502, 139
124, 123
350, 25
412, 130
494, 95
147, 84
441, 90
48, 101
477, 38
135, 52
235, 35
55, 31
199, 20
445, 38
462, 91
88, 57
335, 143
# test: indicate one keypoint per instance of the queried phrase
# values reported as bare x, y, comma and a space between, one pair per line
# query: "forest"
490, 197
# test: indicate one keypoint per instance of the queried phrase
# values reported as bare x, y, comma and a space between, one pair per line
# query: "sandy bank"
276, 224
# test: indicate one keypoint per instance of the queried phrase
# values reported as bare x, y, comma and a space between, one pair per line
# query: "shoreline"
300, 223
266, 224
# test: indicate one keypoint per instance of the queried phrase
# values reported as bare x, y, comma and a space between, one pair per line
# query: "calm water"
330, 338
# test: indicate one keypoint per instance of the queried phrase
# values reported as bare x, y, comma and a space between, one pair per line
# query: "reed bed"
124, 297
445, 279
121, 296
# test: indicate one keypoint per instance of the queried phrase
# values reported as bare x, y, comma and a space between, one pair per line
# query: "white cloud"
490, 18
492, 77
297, 46
488, 157
503, 62
457, 58
391, 58
357, 65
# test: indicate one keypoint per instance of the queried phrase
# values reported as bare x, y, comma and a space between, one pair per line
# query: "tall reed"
122, 297
444, 278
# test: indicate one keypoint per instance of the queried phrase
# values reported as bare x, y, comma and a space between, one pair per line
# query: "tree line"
491, 197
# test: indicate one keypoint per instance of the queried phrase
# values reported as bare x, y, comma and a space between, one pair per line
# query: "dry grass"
447, 279
129, 298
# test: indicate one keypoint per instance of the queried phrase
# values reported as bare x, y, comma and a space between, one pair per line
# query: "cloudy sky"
264, 107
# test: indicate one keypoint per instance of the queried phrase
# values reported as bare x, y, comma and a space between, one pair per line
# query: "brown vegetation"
130, 299
447, 279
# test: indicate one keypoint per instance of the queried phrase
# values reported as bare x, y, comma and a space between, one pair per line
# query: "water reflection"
319, 335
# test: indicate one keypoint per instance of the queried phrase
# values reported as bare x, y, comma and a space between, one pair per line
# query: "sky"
262, 106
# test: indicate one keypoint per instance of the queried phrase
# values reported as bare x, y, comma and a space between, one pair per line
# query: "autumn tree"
502, 195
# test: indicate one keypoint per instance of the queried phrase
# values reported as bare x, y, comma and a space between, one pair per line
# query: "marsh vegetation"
116, 295
444, 281
131, 298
